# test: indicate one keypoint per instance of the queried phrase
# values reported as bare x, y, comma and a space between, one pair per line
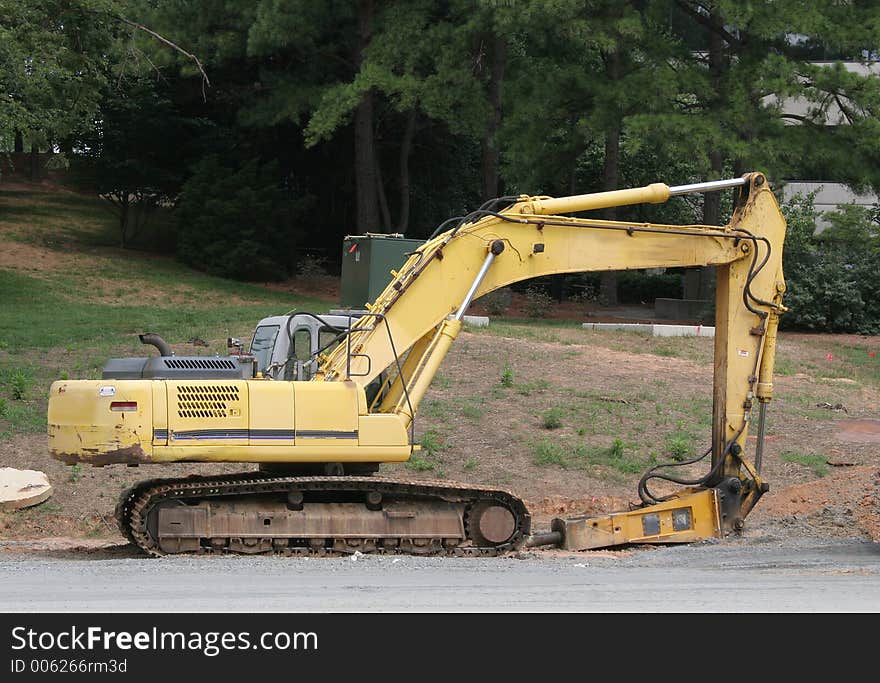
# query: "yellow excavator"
319, 438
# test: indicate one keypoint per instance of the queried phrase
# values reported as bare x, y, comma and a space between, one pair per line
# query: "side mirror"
234, 346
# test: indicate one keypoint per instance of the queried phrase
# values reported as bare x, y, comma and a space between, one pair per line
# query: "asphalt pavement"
727, 576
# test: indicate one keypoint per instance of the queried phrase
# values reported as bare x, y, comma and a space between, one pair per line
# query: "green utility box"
367, 262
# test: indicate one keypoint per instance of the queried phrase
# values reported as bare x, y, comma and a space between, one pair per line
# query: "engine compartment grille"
200, 401
199, 363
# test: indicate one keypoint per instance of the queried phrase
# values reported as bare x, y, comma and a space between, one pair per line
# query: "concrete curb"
476, 320
655, 330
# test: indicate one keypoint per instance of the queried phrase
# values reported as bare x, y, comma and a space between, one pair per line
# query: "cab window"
262, 345
325, 336
302, 344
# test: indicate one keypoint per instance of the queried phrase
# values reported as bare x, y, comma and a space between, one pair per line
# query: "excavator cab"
287, 347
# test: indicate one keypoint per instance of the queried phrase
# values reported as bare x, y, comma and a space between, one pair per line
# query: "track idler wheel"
490, 524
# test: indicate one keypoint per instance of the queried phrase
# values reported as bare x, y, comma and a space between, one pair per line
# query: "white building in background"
829, 194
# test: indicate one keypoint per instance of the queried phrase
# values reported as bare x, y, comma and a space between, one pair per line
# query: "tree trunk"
383, 200
490, 156
123, 220
19, 143
611, 181
364, 152
405, 148
699, 282
35, 163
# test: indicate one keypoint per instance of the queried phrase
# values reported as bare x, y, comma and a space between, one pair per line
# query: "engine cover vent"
200, 401
199, 363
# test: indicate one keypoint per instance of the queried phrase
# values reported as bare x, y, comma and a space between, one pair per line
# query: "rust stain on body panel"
131, 455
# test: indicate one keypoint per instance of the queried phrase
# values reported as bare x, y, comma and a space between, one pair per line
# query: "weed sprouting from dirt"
679, 446
470, 463
551, 453
618, 457
436, 409
431, 442
19, 385
507, 376
529, 388
552, 419
442, 381
472, 411
818, 464
419, 464
75, 472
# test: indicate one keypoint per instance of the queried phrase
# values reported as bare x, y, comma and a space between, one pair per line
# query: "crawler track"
252, 513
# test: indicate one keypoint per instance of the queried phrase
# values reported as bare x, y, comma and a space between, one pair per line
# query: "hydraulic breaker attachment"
709, 513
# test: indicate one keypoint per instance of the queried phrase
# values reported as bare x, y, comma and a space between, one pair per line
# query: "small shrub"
496, 302
589, 294
19, 384
552, 419
507, 376
311, 267
419, 464
538, 302
832, 277
637, 286
238, 221
75, 472
679, 447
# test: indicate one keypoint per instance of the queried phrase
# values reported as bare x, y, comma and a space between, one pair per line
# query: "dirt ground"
493, 444
495, 449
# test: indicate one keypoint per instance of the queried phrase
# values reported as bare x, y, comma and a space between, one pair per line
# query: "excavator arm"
412, 324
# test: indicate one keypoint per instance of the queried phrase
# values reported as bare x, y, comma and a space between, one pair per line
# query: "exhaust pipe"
157, 341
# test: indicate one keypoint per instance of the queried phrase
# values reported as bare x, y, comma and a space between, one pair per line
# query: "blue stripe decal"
276, 434
325, 434
210, 434
255, 434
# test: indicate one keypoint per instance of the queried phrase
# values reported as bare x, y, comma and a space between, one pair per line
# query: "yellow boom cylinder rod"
651, 194
655, 193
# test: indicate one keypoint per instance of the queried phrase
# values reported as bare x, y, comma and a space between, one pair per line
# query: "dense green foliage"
344, 117
833, 278
132, 156
54, 58
235, 222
